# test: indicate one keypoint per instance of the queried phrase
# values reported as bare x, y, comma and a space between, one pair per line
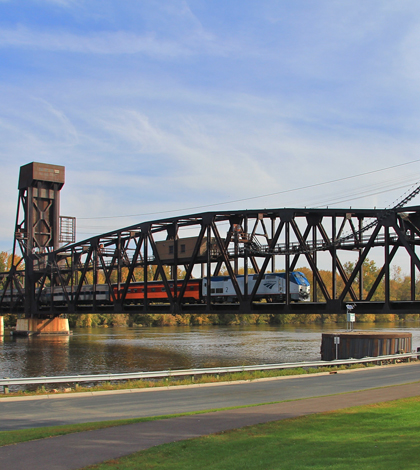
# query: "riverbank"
224, 319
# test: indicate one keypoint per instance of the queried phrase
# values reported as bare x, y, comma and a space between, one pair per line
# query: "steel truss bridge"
251, 242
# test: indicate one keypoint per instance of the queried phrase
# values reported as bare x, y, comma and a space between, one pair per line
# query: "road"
75, 408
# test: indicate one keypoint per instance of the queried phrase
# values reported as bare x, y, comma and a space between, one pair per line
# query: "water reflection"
112, 350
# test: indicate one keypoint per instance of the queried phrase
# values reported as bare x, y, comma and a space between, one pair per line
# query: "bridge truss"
333, 244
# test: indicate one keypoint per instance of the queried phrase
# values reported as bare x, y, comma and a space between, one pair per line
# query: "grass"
200, 379
31, 434
23, 435
380, 436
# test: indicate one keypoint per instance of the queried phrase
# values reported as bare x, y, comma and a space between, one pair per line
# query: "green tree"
3, 261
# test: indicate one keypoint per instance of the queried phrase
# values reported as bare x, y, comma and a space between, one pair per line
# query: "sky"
159, 108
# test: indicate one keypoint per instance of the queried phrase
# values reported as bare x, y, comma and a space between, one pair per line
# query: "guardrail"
166, 374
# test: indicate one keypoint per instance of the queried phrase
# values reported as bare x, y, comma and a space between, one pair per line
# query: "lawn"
382, 436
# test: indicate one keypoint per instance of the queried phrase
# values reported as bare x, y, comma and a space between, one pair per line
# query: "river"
123, 349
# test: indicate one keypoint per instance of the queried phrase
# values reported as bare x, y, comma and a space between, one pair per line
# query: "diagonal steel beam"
191, 264
311, 261
83, 274
381, 274
226, 261
340, 267
297, 256
228, 239
271, 246
160, 268
343, 224
407, 246
132, 267
361, 260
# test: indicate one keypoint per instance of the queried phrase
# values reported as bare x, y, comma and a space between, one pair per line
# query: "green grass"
31, 434
376, 437
23, 435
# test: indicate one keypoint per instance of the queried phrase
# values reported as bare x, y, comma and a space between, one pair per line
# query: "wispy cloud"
97, 43
63, 3
162, 105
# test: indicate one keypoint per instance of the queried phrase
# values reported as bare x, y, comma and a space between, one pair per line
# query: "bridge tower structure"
37, 233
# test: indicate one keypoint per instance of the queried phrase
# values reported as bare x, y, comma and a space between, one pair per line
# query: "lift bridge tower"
39, 230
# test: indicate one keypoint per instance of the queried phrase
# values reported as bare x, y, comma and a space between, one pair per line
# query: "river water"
113, 350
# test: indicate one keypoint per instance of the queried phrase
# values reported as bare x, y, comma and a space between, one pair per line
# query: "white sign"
336, 340
351, 317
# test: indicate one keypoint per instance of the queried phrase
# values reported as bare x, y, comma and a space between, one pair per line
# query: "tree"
3, 261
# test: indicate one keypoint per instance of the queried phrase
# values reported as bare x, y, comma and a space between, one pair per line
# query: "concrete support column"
1, 326
38, 326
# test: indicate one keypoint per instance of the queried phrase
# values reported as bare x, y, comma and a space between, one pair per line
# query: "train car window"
153, 289
192, 287
141, 290
171, 249
212, 291
182, 248
219, 291
163, 289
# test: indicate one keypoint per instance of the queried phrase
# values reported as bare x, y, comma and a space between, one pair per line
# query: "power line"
352, 198
368, 191
371, 190
253, 197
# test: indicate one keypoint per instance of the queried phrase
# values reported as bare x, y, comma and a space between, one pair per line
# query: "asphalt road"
75, 408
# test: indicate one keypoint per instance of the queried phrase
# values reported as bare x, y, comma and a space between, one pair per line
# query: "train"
272, 288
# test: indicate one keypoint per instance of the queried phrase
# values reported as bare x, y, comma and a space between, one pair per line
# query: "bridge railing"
167, 374
319, 245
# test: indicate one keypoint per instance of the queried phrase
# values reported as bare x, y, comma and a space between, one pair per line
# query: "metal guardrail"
166, 374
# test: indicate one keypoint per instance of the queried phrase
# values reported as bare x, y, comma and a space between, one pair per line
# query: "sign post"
351, 317
336, 342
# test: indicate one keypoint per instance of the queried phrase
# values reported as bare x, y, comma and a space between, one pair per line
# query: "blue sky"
156, 108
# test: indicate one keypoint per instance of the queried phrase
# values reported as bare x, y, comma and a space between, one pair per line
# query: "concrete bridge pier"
42, 326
